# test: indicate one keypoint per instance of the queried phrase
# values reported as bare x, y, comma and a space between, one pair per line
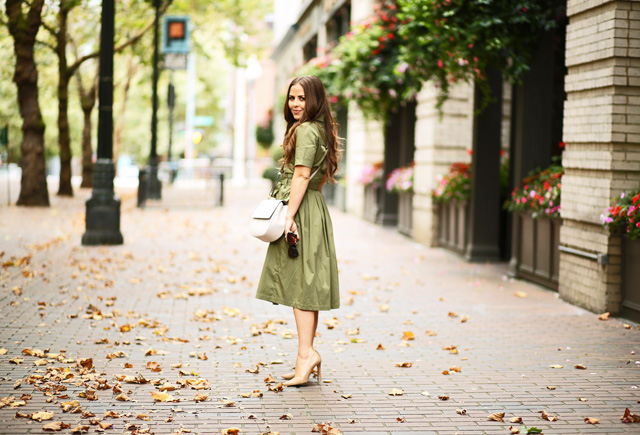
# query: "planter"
371, 208
452, 226
538, 256
405, 213
631, 279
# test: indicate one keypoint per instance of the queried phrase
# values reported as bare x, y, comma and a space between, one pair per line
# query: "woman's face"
296, 101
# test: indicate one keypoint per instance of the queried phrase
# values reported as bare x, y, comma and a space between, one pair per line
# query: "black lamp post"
103, 208
155, 187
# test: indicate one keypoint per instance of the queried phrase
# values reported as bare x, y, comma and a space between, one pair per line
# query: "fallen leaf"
228, 403
404, 364
380, 347
628, 417
408, 336
286, 417
461, 411
396, 392
445, 372
580, 367
123, 398
401, 420
546, 416
346, 396
200, 397
80, 429
231, 431
556, 366
56, 426
550, 387
452, 314
431, 333
68, 406
42, 415
521, 294
604, 316
591, 420
154, 366
162, 397
514, 430
516, 420
443, 398
464, 319
582, 399
496, 416
269, 379
383, 308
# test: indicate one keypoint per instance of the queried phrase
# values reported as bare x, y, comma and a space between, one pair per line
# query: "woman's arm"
299, 184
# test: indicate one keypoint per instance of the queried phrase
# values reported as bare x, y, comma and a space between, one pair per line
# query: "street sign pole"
103, 208
154, 185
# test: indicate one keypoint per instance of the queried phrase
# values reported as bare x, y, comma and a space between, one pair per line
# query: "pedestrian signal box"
175, 33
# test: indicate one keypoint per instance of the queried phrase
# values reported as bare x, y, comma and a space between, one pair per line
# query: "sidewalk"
172, 311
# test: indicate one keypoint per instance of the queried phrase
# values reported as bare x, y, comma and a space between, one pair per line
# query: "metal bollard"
220, 201
142, 187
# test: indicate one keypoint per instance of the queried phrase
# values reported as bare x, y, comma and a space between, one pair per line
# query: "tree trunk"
87, 102
64, 141
23, 29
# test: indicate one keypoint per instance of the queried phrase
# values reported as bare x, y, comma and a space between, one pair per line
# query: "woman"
300, 270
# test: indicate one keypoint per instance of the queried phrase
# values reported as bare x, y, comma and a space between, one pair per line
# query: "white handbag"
268, 219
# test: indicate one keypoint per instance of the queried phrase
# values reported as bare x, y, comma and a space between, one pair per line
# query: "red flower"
561, 144
381, 39
470, 152
524, 9
389, 35
440, 63
470, 45
501, 153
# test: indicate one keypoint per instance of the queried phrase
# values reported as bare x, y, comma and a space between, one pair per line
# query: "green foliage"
368, 67
270, 173
449, 41
264, 134
623, 217
540, 192
455, 186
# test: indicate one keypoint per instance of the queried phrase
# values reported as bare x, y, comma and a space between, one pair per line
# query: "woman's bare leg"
306, 323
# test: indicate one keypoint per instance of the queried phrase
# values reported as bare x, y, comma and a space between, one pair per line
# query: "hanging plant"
368, 65
327, 69
449, 41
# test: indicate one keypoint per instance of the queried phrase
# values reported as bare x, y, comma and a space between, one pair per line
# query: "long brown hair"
316, 106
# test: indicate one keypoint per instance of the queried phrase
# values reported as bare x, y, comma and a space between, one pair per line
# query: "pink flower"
440, 63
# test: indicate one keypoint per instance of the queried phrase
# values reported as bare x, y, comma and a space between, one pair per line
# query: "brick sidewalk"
181, 290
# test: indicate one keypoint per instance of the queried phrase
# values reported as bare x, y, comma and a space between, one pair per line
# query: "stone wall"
602, 135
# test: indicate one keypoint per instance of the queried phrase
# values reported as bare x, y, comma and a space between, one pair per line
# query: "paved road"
173, 309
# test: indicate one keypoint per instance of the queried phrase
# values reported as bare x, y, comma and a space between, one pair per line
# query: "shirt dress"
310, 281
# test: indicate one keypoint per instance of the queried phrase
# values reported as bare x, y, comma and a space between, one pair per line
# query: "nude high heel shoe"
301, 376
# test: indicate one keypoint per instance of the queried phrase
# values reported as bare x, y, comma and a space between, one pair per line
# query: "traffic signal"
175, 37
197, 136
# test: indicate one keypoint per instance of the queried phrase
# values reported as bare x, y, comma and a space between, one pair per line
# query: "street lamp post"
155, 188
103, 208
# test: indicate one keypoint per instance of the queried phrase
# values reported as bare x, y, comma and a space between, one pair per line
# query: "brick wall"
439, 142
602, 133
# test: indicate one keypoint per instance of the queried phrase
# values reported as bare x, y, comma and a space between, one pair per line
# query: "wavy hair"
316, 106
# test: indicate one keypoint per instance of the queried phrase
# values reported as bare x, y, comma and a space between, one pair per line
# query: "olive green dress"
310, 281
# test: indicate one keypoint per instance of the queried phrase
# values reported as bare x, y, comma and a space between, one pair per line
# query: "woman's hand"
290, 226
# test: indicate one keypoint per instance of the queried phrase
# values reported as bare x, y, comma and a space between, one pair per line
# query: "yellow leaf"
380, 347
556, 366
42, 415
396, 392
521, 294
162, 397
408, 336
516, 420
591, 420
200, 397
496, 416
604, 316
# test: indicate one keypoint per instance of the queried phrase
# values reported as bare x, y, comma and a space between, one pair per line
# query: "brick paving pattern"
182, 286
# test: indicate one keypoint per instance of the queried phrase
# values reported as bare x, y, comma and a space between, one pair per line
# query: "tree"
87, 103
24, 22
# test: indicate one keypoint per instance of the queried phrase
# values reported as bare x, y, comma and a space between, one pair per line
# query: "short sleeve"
307, 141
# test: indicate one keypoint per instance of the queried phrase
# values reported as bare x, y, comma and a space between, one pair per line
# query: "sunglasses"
292, 240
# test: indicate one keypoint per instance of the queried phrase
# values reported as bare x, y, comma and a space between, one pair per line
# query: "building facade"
583, 91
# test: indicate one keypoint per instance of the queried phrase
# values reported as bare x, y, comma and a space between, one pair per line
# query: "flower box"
452, 228
405, 213
631, 278
371, 208
537, 256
